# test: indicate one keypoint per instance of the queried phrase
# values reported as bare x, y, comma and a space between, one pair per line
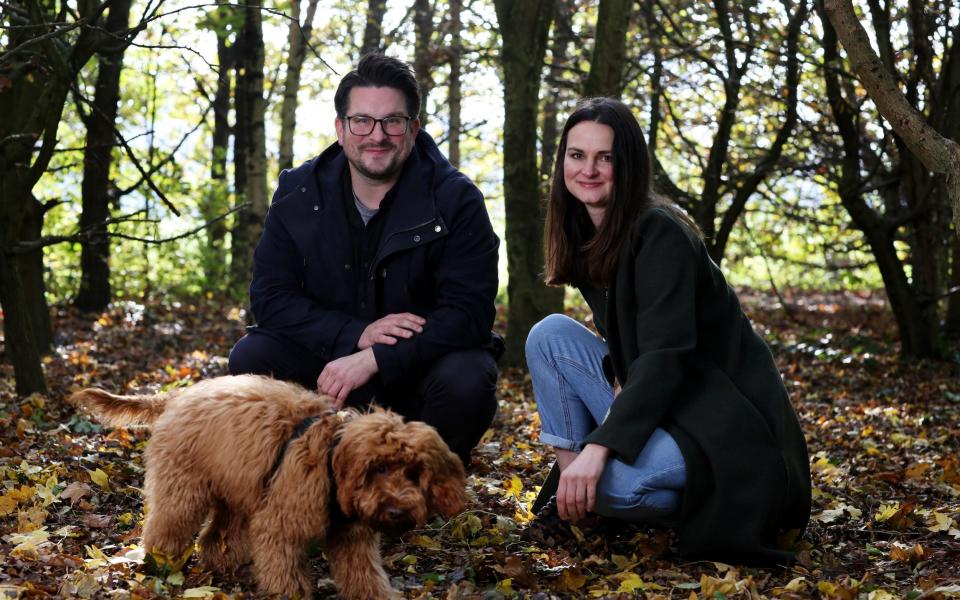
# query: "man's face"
376, 156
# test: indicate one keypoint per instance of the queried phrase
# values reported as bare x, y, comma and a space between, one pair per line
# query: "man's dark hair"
379, 70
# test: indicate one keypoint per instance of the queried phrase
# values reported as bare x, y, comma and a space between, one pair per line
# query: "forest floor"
884, 440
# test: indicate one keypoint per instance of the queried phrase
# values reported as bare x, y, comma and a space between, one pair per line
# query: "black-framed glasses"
364, 125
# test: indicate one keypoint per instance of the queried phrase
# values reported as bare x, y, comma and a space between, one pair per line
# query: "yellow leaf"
409, 559
631, 583
797, 585
572, 579
505, 587
886, 511
97, 557
828, 588
100, 478
426, 542
204, 591
125, 519
942, 522
7, 505
513, 487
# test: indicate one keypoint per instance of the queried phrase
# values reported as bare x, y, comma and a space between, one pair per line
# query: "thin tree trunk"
94, 294
454, 93
251, 137
217, 201
523, 26
917, 338
423, 59
952, 321
562, 37
610, 49
32, 276
374, 28
297, 42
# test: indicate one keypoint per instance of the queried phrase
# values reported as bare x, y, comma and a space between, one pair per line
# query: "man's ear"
339, 124
415, 126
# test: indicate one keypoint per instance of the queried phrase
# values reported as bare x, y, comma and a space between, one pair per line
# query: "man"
376, 274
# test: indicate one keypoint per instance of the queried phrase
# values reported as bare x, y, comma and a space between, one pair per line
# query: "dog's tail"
111, 409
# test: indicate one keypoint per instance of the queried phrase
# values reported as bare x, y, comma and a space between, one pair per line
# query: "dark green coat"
690, 362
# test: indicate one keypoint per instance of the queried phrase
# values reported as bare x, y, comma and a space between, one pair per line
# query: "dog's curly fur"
211, 457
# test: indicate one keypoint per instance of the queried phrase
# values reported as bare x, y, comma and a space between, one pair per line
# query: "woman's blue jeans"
565, 361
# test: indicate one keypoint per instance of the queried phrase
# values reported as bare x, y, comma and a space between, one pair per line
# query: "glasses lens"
394, 125
361, 125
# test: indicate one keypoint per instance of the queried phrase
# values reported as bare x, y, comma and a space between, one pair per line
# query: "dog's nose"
394, 514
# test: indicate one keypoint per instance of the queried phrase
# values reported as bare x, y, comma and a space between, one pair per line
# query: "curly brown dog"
269, 466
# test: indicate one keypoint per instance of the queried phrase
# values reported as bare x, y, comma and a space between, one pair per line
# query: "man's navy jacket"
437, 258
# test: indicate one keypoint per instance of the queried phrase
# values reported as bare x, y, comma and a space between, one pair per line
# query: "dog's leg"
278, 547
355, 564
224, 545
175, 510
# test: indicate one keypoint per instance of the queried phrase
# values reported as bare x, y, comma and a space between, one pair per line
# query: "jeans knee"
550, 327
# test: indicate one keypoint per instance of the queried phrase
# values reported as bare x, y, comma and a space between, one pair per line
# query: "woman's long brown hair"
575, 252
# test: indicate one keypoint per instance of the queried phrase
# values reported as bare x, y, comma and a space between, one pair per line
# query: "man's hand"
577, 491
342, 376
387, 329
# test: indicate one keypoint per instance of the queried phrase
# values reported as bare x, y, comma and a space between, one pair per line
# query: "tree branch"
936, 152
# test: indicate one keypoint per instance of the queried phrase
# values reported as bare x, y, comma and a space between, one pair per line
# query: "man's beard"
387, 172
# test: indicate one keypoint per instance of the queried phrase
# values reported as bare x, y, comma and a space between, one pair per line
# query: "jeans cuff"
558, 442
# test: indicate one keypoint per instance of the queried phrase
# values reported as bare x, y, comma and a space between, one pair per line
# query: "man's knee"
470, 376
248, 356
261, 354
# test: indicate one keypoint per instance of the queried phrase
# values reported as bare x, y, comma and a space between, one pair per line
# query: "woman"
678, 416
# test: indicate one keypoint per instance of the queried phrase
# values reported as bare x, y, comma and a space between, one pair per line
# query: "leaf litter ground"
884, 438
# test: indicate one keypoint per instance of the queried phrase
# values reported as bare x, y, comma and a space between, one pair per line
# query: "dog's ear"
442, 478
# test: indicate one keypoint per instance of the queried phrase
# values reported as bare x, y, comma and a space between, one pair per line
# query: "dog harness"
299, 430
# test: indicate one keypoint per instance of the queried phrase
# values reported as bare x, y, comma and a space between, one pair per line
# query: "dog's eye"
413, 474
383, 470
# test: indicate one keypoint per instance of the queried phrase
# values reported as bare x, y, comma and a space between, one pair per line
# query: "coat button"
437, 229
416, 238
347, 266
303, 189
315, 207
383, 274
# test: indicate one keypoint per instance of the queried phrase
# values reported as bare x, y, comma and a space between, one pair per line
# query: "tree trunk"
297, 42
94, 294
952, 325
917, 338
32, 105
374, 28
610, 50
31, 275
21, 346
250, 138
423, 55
550, 131
218, 193
454, 94
523, 25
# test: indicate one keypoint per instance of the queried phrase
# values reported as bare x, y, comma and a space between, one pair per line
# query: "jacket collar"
414, 204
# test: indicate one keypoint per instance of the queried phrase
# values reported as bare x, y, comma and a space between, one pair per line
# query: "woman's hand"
577, 492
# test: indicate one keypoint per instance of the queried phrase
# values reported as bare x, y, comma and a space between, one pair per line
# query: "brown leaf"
95, 521
519, 571
76, 491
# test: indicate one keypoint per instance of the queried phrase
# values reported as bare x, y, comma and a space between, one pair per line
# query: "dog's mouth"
393, 520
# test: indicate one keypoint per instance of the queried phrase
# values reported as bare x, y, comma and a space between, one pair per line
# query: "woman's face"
588, 164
